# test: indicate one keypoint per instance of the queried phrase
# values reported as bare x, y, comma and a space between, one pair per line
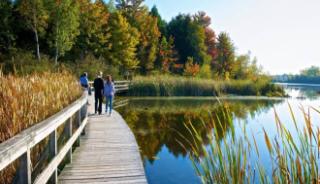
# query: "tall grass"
166, 85
25, 101
229, 161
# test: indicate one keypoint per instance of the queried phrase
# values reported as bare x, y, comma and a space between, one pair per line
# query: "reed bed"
25, 101
237, 158
166, 85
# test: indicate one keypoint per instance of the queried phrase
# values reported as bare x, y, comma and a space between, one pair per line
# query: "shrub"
166, 85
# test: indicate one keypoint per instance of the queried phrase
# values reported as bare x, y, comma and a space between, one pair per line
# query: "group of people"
103, 88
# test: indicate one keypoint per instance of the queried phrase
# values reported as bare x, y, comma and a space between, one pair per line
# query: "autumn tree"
36, 16
167, 55
65, 19
210, 37
94, 35
189, 39
191, 68
162, 24
224, 63
124, 39
246, 68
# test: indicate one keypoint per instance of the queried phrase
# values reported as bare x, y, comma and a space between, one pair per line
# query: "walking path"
108, 153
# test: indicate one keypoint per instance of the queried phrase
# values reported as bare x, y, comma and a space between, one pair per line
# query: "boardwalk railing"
121, 86
57, 136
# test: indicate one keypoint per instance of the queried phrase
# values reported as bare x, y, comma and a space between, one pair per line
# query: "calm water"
159, 126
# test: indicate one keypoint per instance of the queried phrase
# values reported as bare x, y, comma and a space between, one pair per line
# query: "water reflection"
158, 123
160, 127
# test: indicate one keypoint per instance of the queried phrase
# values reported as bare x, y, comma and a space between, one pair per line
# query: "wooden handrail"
19, 146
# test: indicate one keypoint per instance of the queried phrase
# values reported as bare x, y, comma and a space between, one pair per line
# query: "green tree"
189, 39
7, 35
65, 18
312, 71
124, 39
111, 6
36, 16
224, 63
246, 68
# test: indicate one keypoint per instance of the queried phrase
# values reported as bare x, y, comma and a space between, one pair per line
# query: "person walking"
98, 93
109, 91
85, 82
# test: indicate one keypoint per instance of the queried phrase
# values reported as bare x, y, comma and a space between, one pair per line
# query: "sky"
284, 35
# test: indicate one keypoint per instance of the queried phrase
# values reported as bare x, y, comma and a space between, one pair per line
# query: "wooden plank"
108, 154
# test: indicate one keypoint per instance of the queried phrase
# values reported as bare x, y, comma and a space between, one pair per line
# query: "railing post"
68, 131
24, 171
78, 123
53, 150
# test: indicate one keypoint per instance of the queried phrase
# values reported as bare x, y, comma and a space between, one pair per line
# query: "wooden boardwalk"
108, 153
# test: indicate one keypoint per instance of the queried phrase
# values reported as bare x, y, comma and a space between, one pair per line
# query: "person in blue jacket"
109, 91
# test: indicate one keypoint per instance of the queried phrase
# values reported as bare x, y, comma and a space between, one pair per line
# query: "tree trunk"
56, 56
37, 43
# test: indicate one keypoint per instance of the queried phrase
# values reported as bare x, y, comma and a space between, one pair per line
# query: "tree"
94, 35
312, 71
111, 6
129, 7
205, 21
246, 68
191, 68
167, 55
36, 16
189, 39
65, 18
7, 35
162, 24
124, 40
224, 63
149, 40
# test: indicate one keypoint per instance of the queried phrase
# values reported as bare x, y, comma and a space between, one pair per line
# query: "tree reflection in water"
158, 122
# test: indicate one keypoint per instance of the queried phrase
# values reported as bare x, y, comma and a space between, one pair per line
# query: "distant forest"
309, 75
121, 37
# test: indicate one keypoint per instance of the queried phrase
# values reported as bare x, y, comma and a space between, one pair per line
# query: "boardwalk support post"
78, 123
68, 131
53, 150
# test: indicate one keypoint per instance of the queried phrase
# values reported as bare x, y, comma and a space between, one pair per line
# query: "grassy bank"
25, 101
292, 160
182, 86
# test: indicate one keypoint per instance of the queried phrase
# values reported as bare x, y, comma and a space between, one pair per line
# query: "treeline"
309, 75
122, 36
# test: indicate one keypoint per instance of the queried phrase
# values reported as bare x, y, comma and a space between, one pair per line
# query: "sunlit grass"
25, 101
230, 160
166, 85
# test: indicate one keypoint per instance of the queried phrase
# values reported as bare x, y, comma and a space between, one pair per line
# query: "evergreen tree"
223, 65
124, 40
36, 16
65, 17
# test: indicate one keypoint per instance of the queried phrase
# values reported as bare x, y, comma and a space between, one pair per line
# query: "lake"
159, 126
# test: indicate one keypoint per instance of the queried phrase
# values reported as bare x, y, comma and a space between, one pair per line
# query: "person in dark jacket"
98, 85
